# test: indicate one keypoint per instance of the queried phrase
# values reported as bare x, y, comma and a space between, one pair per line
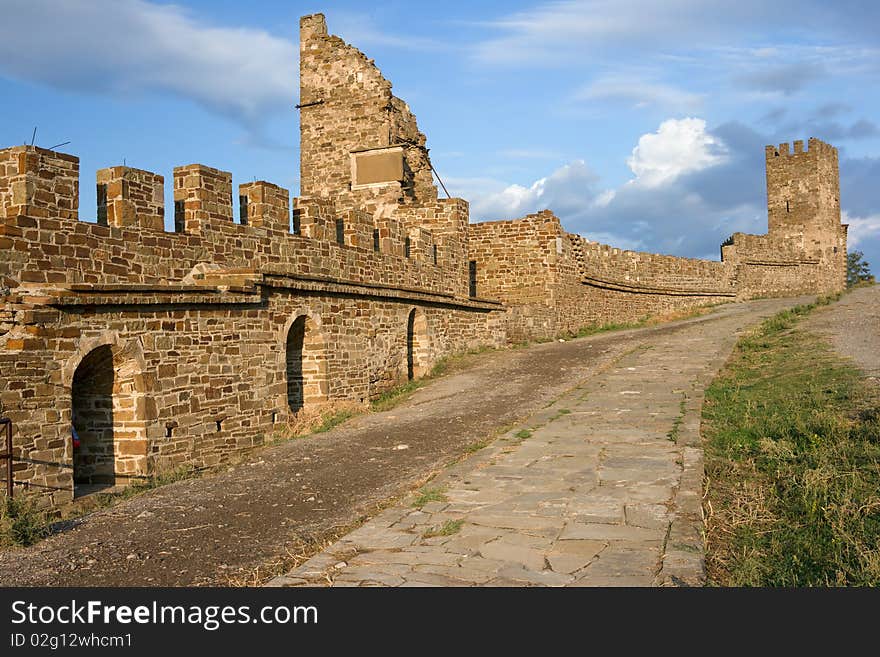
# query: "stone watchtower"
803, 203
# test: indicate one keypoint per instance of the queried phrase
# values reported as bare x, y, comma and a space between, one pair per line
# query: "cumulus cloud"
689, 210
128, 47
678, 147
567, 187
679, 201
862, 229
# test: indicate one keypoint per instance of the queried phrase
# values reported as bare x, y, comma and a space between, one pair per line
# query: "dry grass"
792, 437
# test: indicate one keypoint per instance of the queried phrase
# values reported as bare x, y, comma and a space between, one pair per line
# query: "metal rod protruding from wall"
6, 422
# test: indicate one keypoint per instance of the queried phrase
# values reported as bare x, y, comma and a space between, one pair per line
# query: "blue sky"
641, 124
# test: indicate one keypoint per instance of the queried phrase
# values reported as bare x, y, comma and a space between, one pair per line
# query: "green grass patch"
523, 434
427, 495
593, 329
448, 528
391, 398
676, 424
21, 523
562, 412
332, 420
476, 447
792, 440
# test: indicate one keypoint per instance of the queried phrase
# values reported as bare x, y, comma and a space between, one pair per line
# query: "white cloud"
126, 47
660, 210
605, 198
679, 146
861, 229
638, 92
555, 31
568, 186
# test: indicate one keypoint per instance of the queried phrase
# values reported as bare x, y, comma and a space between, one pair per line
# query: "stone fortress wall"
191, 347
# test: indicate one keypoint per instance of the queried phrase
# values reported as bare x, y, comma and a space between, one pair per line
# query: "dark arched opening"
416, 344
94, 458
295, 338
410, 349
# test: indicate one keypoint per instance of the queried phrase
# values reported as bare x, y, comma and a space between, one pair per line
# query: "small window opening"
179, 217
787, 207
376, 240
274, 417
295, 222
435, 254
219, 424
472, 278
169, 430
102, 205
406, 247
243, 209
340, 231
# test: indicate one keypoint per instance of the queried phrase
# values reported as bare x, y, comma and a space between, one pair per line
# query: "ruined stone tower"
803, 204
359, 144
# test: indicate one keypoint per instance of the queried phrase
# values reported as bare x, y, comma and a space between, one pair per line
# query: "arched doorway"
306, 365
94, 458
417, 353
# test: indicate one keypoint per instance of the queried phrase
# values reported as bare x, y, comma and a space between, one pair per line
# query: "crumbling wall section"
349, 118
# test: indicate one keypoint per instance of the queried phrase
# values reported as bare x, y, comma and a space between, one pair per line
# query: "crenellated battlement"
131, 197
48, 246
38, 182
816, 147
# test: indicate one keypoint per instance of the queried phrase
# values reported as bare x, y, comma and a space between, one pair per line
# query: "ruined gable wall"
347, 107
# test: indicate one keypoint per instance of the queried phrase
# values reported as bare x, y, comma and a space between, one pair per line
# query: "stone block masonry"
191, 347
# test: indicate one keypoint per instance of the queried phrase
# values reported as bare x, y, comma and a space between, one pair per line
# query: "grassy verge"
792, 443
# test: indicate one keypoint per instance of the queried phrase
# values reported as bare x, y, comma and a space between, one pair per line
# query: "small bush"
21, 523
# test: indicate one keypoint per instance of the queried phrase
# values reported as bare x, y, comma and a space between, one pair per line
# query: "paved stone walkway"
602, 488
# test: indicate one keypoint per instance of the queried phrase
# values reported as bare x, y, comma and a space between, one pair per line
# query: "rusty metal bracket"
7, 456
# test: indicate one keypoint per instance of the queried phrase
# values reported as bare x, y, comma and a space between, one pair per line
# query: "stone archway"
91, 395
109, 412
306, 365
417, 344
